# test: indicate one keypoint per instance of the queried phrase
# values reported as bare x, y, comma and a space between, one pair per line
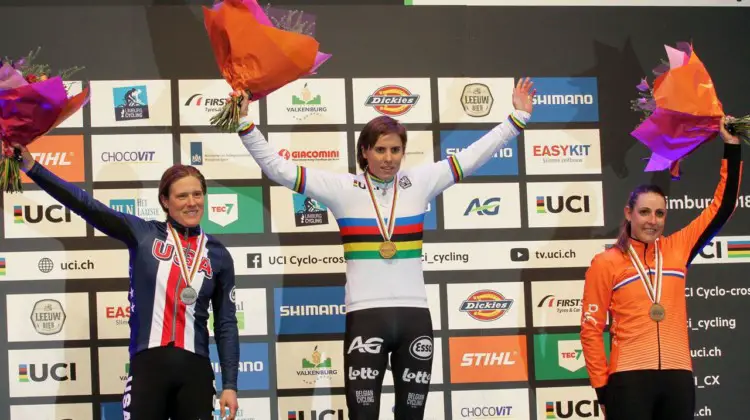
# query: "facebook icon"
254, 261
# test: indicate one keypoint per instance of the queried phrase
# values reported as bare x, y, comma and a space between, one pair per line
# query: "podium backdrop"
523, 229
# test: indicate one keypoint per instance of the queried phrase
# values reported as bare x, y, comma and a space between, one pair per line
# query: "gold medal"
388, 249
657, 312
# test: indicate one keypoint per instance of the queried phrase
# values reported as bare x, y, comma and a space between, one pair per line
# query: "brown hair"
174, 174
371, 132
623, 238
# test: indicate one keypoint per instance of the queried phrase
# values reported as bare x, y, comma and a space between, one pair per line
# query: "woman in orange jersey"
641, 282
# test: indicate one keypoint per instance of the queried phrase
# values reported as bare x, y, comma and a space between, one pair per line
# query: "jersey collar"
184, 231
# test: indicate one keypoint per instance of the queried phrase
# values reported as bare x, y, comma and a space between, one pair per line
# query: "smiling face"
185, 201
647, 217
384, 157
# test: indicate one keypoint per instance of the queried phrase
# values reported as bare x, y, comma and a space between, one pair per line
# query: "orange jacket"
613, 285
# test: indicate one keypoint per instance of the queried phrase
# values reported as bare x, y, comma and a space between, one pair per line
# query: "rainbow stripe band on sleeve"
299, 184
458, 173
245, 128
520, 125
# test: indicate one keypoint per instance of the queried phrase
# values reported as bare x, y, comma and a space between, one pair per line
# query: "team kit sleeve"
440, 175
317, 184
226, 332
115, 224
597, 293
703, 228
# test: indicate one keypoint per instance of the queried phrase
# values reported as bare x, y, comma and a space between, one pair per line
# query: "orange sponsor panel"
61, 154
488, 359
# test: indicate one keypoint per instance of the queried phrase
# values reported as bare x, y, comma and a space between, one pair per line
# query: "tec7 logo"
392, 100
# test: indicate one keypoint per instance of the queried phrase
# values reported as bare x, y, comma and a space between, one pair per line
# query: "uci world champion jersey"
372, 281
158, 317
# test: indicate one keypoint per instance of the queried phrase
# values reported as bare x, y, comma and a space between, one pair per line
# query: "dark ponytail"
623, 237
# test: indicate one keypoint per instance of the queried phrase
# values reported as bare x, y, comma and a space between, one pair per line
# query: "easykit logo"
562, 152
560, 356
233, 210
392, 100
566, 99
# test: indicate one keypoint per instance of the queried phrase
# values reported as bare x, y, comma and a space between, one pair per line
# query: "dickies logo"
392, 100
486, 305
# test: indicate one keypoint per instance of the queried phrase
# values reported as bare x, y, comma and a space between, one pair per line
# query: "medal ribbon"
387, 233
183, 259
653, 290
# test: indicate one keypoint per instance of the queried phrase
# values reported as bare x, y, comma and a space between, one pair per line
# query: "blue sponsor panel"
503, 162
253, 366
305, 310
565, 99
430, 216
112, 411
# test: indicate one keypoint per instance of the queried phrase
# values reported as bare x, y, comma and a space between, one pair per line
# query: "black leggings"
650, 395
169, 383
371, 334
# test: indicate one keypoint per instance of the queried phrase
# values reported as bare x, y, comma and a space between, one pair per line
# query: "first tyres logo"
566, 99
304, 310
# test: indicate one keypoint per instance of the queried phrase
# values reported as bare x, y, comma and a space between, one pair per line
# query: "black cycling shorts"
169, 383
650, 395
371, 334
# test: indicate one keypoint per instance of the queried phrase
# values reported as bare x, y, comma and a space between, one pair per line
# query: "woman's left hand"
725, 135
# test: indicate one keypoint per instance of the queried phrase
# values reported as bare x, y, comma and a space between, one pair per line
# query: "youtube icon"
519, 254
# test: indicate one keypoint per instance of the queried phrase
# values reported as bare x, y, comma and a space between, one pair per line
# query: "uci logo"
421, 348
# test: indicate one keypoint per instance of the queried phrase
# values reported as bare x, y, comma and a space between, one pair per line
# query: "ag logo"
421, 348
222, 209
392, 100
570, 355
48, 317
476, 100
372, 345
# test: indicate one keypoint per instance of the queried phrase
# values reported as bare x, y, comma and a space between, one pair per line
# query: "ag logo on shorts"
421, 348
222, 209
392, 100
477, 100
372, 345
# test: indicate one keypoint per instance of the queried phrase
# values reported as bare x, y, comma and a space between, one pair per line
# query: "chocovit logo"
392, 100
486, 305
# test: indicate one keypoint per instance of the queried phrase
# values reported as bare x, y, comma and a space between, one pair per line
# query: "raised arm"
320, 185
112, 223
441, 175
225, 322
697, 233
597, 293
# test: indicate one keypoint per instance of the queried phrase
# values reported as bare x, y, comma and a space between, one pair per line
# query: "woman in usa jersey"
176, 270
380, 214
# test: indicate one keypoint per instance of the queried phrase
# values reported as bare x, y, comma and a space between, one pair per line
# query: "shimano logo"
577, 99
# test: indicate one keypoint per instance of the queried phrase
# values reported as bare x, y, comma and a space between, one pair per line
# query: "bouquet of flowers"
681, 111
32, 102
255, 55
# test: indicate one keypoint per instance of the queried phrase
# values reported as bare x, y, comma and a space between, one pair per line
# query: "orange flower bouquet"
256, 56
32, 102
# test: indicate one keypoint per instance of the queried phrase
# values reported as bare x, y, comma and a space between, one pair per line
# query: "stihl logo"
52, 158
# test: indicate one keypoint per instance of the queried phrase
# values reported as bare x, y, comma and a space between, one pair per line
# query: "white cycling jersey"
371, 280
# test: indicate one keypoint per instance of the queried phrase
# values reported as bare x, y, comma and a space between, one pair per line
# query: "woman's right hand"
28, 160
245, 104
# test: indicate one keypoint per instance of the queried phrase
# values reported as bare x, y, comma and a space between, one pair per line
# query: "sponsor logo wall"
505, 346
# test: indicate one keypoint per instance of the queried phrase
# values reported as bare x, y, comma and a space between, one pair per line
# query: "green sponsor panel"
233, 210
560, 356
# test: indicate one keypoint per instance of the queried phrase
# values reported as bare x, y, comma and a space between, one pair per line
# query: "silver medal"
188, 296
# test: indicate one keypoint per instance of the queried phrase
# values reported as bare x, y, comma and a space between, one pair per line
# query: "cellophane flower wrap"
32, 102
258, 52
681, 111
